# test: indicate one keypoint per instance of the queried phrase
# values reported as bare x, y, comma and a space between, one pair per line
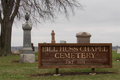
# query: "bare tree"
11, 10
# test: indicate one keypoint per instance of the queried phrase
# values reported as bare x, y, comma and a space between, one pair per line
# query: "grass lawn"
21, 71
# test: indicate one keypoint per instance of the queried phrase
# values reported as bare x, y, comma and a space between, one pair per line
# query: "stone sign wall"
75, 55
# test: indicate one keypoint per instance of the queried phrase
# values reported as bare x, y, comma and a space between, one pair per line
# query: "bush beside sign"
56, 55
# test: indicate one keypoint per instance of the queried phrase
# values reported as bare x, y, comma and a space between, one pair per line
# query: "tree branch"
46, 9
0, 17
10, 6
3, 6
15, 10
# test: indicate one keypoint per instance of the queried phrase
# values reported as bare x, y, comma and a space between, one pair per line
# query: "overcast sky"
100, 18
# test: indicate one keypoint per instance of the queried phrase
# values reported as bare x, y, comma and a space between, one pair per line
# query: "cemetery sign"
56, 55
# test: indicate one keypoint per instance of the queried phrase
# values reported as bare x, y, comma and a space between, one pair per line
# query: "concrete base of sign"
118, 51
92, 73
56, 75
27, 58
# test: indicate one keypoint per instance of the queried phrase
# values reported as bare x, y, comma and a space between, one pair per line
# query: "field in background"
10, 69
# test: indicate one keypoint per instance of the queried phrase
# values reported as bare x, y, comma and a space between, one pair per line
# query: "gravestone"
116, 47
62, 41
118, 50
27, 55
83, 37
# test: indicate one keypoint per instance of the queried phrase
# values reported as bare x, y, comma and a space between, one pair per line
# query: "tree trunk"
6, 29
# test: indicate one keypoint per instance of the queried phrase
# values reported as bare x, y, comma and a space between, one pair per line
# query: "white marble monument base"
27, 58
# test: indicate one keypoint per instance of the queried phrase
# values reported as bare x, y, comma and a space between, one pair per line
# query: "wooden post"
57, 71
53, 41
93, 70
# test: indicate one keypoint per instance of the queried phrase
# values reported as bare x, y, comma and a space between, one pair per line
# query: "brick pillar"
53, 36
